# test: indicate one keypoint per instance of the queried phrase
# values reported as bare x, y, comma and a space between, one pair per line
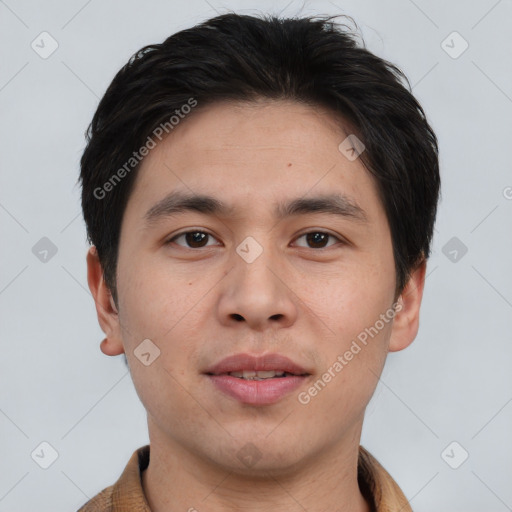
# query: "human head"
244, 58
256, 111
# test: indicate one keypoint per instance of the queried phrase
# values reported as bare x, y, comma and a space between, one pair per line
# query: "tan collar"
377, 486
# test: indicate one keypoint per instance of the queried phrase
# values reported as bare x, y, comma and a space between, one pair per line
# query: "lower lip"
257, 392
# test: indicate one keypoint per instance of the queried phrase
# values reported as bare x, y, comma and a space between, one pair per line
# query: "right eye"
194, 238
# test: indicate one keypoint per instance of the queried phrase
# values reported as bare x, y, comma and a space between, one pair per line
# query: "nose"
258, 292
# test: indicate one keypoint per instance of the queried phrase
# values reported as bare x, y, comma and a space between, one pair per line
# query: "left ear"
407, 318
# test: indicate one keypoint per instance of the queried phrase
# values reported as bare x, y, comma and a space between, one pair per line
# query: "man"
260, 194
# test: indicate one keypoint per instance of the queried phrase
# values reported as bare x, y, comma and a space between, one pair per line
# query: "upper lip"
265, 362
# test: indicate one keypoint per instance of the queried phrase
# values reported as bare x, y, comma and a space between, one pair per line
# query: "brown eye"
318, 239
193, 239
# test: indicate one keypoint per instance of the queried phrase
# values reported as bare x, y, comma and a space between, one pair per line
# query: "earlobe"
406, 320
111, 347
106, 310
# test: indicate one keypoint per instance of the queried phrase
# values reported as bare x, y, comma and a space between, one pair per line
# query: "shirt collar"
376, 484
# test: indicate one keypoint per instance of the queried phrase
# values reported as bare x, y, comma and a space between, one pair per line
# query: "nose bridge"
255, 263
254, 291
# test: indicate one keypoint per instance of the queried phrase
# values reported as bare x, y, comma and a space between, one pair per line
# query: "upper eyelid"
339, 238
193, 230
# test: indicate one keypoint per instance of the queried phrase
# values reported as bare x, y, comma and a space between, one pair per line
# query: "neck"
179, 479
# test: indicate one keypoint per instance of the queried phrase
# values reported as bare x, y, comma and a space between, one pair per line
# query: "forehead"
253, 154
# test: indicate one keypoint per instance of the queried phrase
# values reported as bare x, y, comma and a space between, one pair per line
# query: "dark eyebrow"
180, 202
334, 204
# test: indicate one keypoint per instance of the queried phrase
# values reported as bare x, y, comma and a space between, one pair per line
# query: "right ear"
106, 310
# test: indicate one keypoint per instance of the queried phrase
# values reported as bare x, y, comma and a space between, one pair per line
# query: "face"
256, 278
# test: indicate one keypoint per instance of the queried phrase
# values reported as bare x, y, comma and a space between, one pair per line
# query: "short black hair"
313, 60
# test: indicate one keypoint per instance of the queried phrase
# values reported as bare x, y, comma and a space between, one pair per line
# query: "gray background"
452, 384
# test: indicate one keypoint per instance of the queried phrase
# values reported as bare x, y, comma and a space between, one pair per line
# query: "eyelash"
168, 242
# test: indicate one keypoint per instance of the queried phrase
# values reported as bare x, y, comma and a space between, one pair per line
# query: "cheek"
354, 342
352, 361
154, 297
167, 307
349, 301
161, 307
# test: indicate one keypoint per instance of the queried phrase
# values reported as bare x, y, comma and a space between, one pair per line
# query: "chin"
260, 456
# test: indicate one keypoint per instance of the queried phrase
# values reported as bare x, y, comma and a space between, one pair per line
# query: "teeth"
260, 375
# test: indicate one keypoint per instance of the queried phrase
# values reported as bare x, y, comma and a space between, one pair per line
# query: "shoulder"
378, 486
127, 493
102, 502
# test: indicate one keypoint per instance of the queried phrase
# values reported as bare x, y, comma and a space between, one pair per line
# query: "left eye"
318, 238
197, 239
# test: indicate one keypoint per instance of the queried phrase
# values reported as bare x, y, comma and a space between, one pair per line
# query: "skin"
201, 304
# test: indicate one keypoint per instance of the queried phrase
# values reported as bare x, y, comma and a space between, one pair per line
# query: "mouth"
263, 366
257, 380
261, 375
